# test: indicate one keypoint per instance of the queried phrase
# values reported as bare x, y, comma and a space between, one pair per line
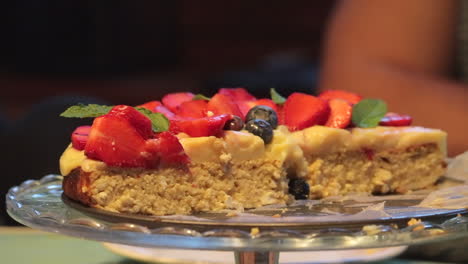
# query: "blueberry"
236, 123
263, 112
260, 128
299, 188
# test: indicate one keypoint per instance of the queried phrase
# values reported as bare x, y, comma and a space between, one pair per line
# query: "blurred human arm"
403, 52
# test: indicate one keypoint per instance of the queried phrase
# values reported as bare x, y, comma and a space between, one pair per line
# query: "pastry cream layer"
288, 148
71, 159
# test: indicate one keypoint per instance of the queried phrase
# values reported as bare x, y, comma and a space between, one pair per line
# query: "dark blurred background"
57, 53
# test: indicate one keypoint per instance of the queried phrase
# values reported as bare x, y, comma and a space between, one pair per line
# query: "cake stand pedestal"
39, 204
249, 257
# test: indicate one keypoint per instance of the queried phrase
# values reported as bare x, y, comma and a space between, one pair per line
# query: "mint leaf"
83, 111
200, 97
276, 97
368, 112
159, 122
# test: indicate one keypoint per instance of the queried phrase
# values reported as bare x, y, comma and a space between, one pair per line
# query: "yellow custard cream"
71, 159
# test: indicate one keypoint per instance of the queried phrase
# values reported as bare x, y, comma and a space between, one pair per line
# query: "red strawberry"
244, 107
158, 107
120, 138
80, 137
369, 153
280, 114
114, 140
339, 94
393, 119
222, 104
193, 108
200, 127
173, 100
303, 110
340, 114
150, 105
237, 94
169, 149
267, 102
163, 110
140, 122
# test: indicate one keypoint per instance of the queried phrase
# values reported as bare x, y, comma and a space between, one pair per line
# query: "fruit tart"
191, 153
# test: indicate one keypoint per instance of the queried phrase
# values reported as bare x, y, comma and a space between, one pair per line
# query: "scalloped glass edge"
37, 204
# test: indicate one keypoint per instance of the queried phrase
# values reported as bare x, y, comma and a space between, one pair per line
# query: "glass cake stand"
255, 236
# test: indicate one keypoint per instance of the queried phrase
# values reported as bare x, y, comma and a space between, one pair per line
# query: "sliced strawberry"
280, 114
169, 149
150, 105
303, 110
200, 127
340, 114
394, 119
80, 137
158, 107
115, 141
340, 94
120, 139
163, 110
139, 121
369, 153
267, 102
244, 107
223, 104
173, 100
193, 108
237, 94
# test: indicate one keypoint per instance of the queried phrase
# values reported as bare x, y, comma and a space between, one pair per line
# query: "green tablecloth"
24, 245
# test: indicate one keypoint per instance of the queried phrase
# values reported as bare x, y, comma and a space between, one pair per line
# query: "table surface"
49, 248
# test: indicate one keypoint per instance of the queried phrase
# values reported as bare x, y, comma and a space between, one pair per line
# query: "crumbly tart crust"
382, 172
199, 187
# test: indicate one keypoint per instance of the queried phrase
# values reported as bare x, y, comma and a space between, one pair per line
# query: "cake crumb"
232, 213
417, 222
436, 231
254, 231
371, 251
371, 229
414, 221
276, 215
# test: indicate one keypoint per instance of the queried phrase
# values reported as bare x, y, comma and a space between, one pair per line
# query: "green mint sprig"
84, 111
368, 112
159, 122
276, 97
201, 97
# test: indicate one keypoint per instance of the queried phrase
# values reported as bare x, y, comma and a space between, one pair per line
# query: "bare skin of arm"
402, 52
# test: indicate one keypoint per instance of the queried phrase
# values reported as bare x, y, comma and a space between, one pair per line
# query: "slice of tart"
191, 154
120, 170
371, 160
